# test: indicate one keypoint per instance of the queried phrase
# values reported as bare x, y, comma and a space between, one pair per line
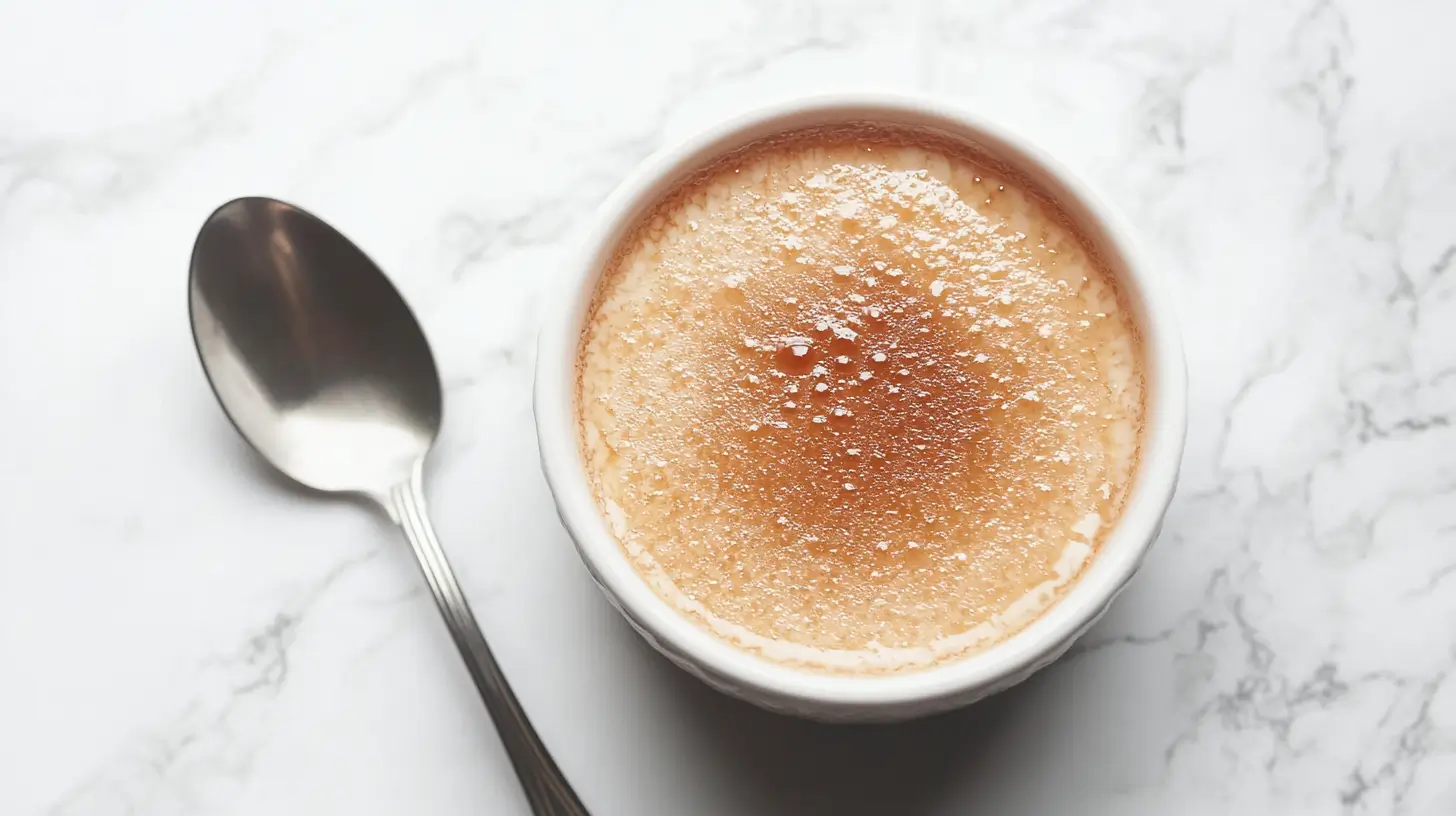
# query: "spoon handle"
548, 791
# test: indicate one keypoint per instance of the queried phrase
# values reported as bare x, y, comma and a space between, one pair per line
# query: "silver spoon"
321, 366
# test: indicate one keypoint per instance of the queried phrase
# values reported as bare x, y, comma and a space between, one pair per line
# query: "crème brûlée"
859, 400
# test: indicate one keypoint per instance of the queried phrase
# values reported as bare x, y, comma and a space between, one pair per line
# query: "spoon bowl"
324, 370
312, 352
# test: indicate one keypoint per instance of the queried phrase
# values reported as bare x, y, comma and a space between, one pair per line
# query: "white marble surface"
179, 634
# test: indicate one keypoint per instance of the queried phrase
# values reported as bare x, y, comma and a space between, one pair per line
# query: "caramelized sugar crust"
859, 400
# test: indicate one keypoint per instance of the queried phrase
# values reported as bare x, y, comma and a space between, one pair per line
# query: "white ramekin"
863, 698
